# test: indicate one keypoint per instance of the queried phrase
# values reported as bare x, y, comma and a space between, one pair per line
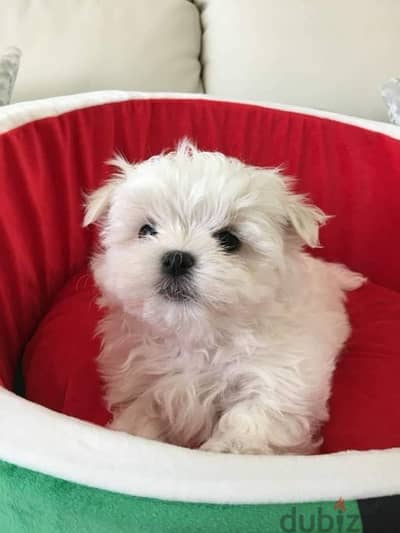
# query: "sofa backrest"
85, 45
325, 54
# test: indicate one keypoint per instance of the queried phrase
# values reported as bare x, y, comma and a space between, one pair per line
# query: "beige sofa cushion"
83, 45
327, 54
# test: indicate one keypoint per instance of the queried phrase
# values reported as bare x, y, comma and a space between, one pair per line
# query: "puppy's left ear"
305, 219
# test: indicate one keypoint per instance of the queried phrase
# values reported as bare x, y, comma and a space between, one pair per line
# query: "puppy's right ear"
98, 201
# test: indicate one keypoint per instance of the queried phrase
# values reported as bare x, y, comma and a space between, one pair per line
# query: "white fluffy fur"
246, 367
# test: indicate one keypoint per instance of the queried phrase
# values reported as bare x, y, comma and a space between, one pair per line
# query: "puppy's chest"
205, 376
175, 360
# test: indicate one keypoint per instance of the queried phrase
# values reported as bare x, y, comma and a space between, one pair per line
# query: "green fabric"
35, 503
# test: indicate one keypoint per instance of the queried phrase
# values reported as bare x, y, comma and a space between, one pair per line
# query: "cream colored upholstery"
71, 46
331, 55
326, 54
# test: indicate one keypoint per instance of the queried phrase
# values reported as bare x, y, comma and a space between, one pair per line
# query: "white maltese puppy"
220, 332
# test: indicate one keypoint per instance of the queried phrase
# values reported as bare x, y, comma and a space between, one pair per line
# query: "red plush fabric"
45, 165
60, 371
364, 407
59, 362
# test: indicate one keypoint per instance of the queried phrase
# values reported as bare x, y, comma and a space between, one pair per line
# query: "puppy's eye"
146, 230
228, 241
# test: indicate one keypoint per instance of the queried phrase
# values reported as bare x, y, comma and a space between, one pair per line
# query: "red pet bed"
52, 152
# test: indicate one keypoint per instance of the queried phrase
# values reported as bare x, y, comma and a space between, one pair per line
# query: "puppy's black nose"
177, 263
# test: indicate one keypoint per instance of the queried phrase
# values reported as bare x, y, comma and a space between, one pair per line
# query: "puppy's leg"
346, 278
137, 419
250, 427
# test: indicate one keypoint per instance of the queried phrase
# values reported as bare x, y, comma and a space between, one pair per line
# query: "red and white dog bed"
53, 150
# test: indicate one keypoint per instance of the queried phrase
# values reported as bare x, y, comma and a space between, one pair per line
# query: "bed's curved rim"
18, 114
36, 438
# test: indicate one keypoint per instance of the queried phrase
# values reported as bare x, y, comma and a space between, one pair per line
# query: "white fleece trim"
42, 440
15, 115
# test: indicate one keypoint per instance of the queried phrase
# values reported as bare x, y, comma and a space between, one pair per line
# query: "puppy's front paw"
232, 444
134, 420
215, 445
146, 429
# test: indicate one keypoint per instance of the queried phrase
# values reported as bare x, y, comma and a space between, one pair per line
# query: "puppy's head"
194, 236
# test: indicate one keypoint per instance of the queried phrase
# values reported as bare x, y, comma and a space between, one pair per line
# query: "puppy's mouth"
176, 290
